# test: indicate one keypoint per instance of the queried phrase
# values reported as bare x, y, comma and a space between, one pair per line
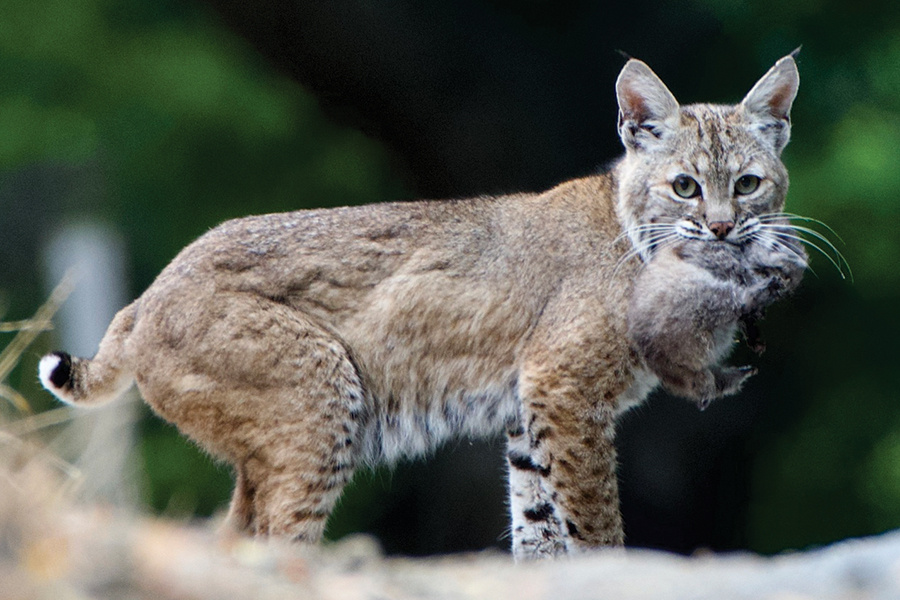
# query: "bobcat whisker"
649, 244
646, 226
787, 215
797, 230
644, 247
624, 259
642, 228
666, 243
654, 229
767, 218
813, 233
811, 244
773, 239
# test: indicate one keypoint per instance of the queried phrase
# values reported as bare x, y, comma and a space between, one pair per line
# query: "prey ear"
646, 106
768, 105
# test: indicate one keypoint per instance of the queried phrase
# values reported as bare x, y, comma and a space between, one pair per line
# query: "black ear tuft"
61, 376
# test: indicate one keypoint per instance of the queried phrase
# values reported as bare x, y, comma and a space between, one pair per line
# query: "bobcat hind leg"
289, 488
293, 474
260, 385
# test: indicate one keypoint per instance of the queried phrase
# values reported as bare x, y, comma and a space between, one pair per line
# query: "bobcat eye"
686, 187
746, 184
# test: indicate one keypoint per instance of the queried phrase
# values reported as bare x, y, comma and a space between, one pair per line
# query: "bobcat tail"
96, 381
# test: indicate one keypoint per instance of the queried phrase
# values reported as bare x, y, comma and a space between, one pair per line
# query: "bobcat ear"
646, 106
768, 105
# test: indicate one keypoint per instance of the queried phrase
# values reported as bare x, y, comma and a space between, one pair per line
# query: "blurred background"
130, 127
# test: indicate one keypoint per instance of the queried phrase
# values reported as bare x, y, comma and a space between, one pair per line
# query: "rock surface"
103, 553
53, 548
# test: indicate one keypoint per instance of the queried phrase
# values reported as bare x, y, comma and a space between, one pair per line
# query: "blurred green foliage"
180, 116
185, 125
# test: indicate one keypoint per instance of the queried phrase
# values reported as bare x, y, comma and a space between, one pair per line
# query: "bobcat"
298, 347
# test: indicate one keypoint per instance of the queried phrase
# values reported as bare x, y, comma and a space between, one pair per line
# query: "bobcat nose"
721, 228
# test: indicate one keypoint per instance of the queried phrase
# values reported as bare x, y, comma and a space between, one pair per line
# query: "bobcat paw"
749, 325
728, 381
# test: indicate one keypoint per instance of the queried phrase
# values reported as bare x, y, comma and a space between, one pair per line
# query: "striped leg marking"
537, 525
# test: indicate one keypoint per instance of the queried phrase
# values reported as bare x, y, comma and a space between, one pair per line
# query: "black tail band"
61, 376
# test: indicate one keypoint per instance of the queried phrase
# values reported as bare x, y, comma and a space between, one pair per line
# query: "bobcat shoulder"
300, 346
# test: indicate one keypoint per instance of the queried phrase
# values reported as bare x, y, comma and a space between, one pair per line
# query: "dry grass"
26, 332
19, 422
34, 480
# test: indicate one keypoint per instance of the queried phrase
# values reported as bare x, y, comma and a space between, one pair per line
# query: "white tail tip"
55, 372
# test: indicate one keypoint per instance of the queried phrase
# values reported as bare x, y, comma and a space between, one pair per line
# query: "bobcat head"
704, 174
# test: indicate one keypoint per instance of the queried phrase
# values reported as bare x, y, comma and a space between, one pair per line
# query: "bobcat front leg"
562, 462
537, 530
560, 505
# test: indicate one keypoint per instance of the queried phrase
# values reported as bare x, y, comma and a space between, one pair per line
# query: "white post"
97, 258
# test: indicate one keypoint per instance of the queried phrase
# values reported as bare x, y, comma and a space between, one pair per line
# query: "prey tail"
93, 381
